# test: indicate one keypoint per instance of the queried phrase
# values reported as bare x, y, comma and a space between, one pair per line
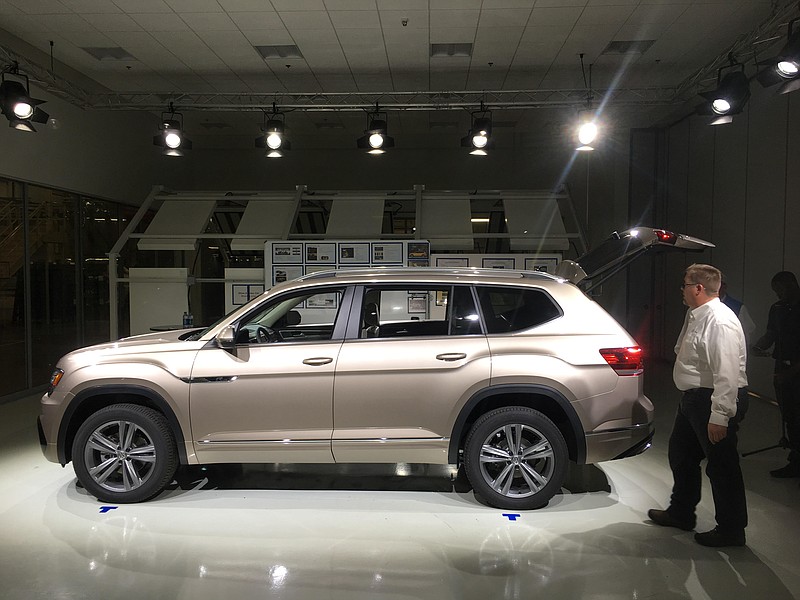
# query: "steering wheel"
265, 335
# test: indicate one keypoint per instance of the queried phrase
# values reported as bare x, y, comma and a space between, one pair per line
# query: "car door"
270, 398
411, 361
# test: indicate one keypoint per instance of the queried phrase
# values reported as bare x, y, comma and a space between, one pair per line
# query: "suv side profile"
509, 374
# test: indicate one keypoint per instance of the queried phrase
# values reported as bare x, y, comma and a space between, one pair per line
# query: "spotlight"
376, 139
587, 133
16, 104
479, 137
785, 67
170, 136
273, 137
730, 96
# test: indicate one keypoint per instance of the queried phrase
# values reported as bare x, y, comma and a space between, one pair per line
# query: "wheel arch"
550, 402
93, 399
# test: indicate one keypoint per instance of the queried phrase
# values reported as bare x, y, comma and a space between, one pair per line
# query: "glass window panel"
13, 366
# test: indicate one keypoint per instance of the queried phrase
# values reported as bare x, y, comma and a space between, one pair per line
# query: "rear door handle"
451, 356
317, 362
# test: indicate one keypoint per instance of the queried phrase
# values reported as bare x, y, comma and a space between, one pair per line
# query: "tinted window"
299, 317
515, 309
406, 311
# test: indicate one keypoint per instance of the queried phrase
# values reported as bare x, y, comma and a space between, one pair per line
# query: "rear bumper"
621, 442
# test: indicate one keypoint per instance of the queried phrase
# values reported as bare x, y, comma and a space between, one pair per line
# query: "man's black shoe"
720, 539
790, 470
663, 518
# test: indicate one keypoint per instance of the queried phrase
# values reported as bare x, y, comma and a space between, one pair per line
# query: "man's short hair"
784, 277
706, 275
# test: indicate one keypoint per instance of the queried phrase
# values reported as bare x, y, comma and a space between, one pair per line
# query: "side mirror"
226, 339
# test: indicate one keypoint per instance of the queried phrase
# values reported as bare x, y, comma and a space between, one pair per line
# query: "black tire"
124, 453
515, 458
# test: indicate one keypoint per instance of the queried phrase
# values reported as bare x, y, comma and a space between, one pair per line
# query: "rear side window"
515, 309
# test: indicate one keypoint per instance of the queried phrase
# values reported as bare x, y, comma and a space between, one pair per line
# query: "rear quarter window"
516, 309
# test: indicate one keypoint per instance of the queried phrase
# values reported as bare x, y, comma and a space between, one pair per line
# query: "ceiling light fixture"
171, 137
376, 139
273, 137
729, 97
785, 67
587, 129
479, 137
16, 103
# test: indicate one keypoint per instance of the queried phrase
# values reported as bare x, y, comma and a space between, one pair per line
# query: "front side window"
412, 311
515, 309
298, 317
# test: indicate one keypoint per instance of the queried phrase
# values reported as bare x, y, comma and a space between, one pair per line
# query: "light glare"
172, 140
587, 133
23, 110
480, 140
720, 106
376, 140
787, 68
274, 141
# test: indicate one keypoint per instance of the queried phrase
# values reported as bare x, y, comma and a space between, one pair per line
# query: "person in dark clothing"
783, 336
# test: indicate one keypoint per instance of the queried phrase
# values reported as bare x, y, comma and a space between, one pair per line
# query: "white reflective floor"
378, 532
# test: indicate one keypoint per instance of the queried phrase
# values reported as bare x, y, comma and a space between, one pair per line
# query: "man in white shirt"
710, 371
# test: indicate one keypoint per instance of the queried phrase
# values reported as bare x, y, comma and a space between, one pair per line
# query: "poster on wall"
498, 263
321, 253
354, 253
242, 293
452, 262
390, 253
287, 253
541, 264
286, 273
418, 254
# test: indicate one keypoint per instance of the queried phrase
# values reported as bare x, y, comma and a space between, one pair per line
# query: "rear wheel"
125, 453
515, 458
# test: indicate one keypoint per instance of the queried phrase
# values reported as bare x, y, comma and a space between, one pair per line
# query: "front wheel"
515, 458
125, 453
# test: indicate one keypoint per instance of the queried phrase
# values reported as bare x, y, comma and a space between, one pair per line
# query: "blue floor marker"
511, 516
105, 509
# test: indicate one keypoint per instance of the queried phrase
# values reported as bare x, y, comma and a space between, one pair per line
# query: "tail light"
666, 237
625, 361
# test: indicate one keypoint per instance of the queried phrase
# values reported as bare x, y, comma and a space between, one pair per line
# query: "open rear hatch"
619, 250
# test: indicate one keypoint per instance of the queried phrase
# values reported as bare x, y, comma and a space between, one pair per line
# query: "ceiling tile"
303, 5
402, 5
613, 2
554, 16
336, 82
65, 22
40, 7
334, 5
393, 19
325, 56
313, 19
354, 19
112, 22
143, 6
6, 8
88, 39
244, 5
656, 13
492, 4
509, 17
455, 4
93, 6
452, 35
452, 19
310, 37
269, 37
160, 22
496, 45
252, 21
200, 22
23, 24
195, 6
604, 15
559, 3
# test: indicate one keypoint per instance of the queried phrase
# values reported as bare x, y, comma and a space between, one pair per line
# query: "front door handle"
318, 362
451, 356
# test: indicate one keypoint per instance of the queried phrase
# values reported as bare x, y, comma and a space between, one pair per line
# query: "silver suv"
508, 373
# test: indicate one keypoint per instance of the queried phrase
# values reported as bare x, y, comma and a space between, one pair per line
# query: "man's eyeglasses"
684, 284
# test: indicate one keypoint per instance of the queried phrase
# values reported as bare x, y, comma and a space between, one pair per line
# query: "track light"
273, 137
730, 96
479, 137
376, 139
785, 67
16, 103
171, 137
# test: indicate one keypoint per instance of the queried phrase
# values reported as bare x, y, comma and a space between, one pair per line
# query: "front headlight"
54, 379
